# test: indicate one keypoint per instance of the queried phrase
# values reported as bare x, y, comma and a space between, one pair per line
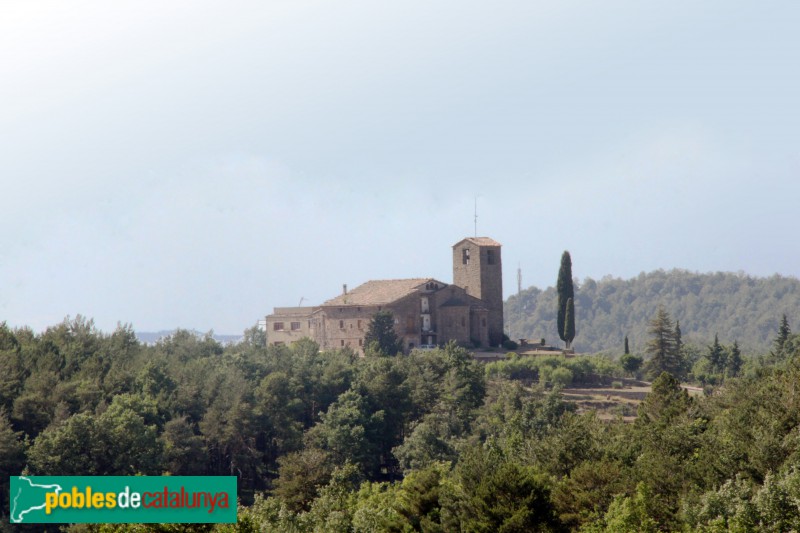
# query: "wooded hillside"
734, 306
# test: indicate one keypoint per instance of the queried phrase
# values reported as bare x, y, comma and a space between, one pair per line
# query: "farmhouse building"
426, 311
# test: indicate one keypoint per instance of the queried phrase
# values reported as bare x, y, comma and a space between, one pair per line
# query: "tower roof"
480, 241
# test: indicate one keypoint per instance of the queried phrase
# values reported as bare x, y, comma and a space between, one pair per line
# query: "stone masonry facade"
426, 312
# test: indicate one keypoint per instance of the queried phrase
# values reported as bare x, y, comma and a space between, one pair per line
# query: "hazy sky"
195, 164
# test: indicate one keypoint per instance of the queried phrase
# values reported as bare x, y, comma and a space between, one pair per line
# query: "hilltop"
734, 305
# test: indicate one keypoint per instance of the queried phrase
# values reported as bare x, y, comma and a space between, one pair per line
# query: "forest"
430, 441
737, 307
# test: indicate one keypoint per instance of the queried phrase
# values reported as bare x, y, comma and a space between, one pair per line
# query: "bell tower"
478, 268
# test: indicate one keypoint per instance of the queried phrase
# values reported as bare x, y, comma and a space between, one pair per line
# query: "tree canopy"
565, 291
735, 306
381, 338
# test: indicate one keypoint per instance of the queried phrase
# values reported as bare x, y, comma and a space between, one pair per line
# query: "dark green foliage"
381, 338
503, 496
508, 344
184, 450
663, 347
569, 323
627, 350
733, 361
12, 457
587, 492
666, 401
631, 363
734, 305
434, 441
778, 352
716, 356
565, 291
301, 476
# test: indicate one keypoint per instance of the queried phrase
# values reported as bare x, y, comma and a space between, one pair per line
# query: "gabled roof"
379, 292
480, 241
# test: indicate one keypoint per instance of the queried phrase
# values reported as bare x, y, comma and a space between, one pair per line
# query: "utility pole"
476, 215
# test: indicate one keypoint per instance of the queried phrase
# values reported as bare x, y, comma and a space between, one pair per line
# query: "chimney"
344, 288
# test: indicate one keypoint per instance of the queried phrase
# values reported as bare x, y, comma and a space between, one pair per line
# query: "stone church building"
427, 312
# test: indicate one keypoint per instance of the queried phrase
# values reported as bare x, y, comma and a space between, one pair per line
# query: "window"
341, 325
277, 343
465, 256
359, 324
342, 341
490, 256
295, 326
361, 342
277, 326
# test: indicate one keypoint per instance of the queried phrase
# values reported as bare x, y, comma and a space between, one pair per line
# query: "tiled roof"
378, 292
480, 241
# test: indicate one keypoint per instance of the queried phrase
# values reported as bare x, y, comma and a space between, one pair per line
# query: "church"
427, 312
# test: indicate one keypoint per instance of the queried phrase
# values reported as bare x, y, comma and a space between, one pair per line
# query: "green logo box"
122, 499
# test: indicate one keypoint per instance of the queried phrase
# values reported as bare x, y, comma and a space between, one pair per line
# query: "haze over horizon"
196, 164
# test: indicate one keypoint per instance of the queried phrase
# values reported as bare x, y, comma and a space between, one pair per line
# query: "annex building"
426, 311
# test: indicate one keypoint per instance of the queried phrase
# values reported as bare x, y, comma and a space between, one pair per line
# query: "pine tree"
780, 341
734, 361
565, 291
662, 346
627, 350
569, 323
381, 337
716, 356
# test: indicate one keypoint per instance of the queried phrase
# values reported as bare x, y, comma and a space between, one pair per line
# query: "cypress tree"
627, 351
565, 291
569, 323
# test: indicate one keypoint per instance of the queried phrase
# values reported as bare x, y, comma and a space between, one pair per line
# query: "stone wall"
479, 269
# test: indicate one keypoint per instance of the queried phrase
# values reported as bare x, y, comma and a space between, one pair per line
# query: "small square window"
295, 326
277, 326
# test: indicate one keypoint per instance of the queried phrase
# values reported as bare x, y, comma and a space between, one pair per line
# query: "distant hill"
735, 306
151, 337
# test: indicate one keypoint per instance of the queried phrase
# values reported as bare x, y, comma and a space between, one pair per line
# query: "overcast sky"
194, 164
